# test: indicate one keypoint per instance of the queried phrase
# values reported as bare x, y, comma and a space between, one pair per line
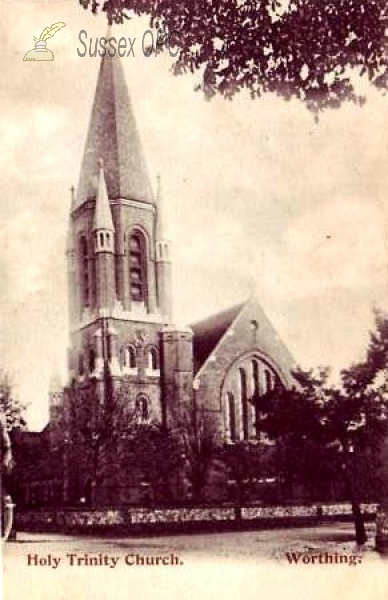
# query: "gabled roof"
210, 337
113, 137
208, 333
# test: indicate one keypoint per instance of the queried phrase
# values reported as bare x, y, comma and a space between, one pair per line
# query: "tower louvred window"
134, 243
137, 266
135, 260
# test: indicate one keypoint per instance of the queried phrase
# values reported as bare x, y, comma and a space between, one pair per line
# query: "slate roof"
113, 137
208, 333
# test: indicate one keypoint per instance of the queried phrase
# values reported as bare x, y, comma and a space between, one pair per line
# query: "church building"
123, 340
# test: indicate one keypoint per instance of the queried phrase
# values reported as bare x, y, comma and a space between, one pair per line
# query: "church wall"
82, 225
177, 364
141, 380
250, 333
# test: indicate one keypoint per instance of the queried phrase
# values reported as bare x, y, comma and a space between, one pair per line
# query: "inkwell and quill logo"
41, 52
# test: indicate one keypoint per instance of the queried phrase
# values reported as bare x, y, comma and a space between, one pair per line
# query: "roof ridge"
235, 307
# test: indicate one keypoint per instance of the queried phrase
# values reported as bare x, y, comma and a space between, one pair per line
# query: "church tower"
119, 270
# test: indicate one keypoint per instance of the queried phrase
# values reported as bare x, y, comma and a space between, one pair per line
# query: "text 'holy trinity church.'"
124, 346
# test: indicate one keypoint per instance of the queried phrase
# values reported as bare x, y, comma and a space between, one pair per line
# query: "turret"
103, 236
177, 353
162, 258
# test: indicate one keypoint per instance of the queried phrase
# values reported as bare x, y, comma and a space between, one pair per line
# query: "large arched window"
244, 403
137, 267
142, 409
243, 396
84, 267
231, 412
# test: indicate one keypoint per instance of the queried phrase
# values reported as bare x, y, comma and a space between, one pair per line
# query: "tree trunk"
359, 525
358, 519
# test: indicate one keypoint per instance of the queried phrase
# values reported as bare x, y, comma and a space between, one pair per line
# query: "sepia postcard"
194, 299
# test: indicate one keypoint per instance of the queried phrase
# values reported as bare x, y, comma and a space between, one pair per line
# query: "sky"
259, 198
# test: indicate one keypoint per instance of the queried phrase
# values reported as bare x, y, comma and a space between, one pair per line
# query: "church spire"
113, 136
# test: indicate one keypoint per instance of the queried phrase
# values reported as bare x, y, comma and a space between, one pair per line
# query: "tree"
195, 436
11, 417
110, 447
9, 405
374, 372
149, 458
330, 431
244, 466
294, 419
302, 49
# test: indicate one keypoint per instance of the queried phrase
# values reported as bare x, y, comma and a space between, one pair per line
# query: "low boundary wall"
134, 520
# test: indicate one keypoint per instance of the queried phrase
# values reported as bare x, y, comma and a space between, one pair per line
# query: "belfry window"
84, 265
137, 267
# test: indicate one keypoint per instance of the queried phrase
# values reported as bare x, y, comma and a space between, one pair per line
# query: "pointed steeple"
103, 214
113, 136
